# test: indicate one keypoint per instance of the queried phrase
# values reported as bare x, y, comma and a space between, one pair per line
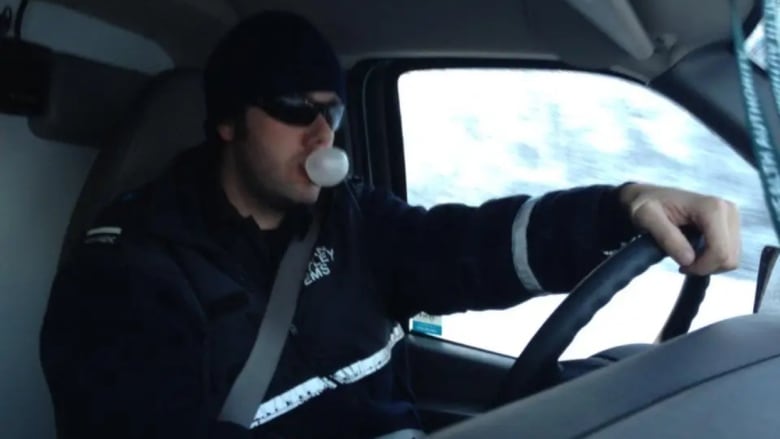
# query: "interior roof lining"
188, 29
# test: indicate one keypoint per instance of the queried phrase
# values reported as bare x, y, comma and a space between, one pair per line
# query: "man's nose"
320, 134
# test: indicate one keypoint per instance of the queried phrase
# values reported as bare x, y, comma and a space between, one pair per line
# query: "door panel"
452, 382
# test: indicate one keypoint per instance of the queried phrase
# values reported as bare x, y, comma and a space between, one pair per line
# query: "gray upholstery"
722, 381
167, 118
86, 101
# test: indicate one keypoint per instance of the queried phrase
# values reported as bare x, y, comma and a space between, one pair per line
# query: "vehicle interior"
98, 95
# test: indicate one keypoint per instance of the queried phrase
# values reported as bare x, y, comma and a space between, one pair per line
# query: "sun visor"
86, 100
24, 77
617, 19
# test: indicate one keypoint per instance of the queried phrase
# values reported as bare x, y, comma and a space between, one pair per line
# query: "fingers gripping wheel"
537, 366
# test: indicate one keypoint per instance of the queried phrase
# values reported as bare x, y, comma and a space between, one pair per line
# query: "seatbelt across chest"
250, 387
765, 150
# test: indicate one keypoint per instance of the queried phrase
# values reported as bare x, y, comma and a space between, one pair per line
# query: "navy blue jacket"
150, 323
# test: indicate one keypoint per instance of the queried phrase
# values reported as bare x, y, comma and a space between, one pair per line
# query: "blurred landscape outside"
475, 134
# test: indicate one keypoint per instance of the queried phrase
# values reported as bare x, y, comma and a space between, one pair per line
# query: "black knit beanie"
270, 54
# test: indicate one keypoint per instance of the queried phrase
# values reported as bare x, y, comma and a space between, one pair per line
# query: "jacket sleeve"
453, 258
122, 353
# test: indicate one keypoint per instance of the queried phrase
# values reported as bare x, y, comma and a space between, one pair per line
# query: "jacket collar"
189, 206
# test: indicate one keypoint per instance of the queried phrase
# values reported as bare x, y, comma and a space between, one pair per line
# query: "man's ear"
227, 132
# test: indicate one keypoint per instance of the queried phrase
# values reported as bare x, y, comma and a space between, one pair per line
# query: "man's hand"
661, 210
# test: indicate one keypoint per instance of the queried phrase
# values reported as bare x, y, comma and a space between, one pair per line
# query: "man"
147, 331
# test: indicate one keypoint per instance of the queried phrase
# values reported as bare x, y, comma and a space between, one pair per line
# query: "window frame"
375, 114
377, 133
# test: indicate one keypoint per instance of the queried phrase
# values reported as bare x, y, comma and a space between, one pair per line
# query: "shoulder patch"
103, 235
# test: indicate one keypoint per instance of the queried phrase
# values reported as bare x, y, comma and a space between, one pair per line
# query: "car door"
468, 131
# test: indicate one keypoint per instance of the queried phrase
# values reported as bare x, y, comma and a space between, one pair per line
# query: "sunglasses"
301, 111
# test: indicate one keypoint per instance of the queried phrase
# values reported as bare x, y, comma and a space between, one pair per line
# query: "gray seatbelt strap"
250, 386
765, 150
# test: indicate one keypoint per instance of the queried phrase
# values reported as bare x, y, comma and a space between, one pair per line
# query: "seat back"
166, 119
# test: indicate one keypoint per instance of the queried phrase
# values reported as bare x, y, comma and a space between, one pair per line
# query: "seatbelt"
764, 148
250, 386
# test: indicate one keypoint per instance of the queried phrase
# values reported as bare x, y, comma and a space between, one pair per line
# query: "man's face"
269, 156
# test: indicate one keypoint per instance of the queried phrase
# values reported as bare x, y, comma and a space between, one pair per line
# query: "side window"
475, 134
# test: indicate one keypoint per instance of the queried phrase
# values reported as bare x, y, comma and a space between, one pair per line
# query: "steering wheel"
537, 366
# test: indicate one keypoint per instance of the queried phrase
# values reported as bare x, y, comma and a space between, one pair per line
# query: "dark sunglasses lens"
302, 112
291, 111
334, 114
